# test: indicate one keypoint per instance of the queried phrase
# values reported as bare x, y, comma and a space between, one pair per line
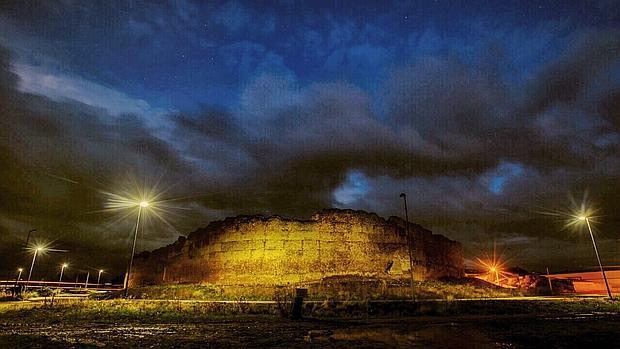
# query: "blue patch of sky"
502, 174
353, 189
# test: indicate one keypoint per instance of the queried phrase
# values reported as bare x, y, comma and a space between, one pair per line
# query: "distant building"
591, 282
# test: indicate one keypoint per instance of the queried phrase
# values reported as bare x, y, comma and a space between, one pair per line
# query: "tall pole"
598, 258
28, 237
34, 258
404, 196
549, 279
133, 250
19, 275
86, 283
62, 270
99, 278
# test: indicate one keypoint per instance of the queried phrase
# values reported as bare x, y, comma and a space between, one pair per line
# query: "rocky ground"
471, 331
499, 323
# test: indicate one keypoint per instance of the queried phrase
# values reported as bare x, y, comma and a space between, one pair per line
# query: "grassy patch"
144, 311
196, 292
107, 311
460, 289
337, 290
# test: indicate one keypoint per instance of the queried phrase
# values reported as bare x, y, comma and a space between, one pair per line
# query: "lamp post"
34, 258
28, 237
86, 283
598, 258
19, 275
550, 283
496, 273
404, 196
142, 205
99, 278
15, 289
62, 270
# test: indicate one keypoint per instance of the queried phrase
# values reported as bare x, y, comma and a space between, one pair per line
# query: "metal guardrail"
33, 284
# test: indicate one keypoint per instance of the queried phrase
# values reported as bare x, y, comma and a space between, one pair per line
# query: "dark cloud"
210, 123
55, 153
565, 81
479, 153
449, 127
609, 107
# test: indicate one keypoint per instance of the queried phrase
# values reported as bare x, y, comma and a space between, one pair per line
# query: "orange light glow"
493, 269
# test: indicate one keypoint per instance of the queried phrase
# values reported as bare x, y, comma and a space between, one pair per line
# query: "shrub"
284, 298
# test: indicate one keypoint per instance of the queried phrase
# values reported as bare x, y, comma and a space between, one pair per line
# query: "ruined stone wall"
278, 251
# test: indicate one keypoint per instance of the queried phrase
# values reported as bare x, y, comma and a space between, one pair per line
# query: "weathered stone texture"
278, 251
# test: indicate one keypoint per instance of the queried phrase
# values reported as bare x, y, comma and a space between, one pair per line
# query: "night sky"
487, 114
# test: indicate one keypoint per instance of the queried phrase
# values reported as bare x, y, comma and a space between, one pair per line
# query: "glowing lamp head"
582, 218
39, 249
144, 204
100, 271
493, 270
65, 265
20, 269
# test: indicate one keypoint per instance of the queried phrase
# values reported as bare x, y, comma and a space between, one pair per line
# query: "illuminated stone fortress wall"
258, 250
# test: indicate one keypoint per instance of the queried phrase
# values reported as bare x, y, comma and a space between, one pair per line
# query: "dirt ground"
567, 331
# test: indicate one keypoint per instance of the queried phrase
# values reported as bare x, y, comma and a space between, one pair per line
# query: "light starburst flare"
493, 269
576, 213
146, 204
39, 250
583, 215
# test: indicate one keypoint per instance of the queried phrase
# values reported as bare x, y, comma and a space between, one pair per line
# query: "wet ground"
567, 331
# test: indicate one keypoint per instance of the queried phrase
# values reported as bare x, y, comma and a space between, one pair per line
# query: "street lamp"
28, 237
147, 202
404, 196
62, 270
587, 220
19, 275
495, 273
99, 277
34, 258
142, 205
